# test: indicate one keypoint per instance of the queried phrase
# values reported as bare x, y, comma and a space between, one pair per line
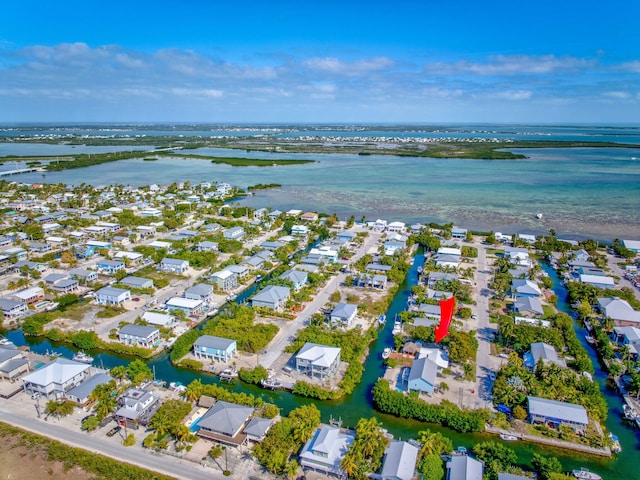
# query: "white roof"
183, 302
319, 355
130, 255
28, 293
158, 318
449, 251
59, 371
54, 239
632, 244
223, 274
160, 244
596, 279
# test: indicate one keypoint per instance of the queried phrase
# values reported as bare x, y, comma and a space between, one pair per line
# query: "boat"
419, 270
82, 357
585, 474
232, 297
508, 438
538, 216
397, 327
5, 342
228, 374
382, 319
271, 383
615, 443
590, 340
386, 353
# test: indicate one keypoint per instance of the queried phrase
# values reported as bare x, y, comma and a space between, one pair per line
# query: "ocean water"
580, 192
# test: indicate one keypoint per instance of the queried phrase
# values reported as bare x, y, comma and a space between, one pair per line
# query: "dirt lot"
18, 462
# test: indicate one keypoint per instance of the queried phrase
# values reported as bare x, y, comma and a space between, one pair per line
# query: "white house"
160, 319
139, 335
189, 306
325, 450
173, 265
343, 315
112, 296
318, 361
56, 378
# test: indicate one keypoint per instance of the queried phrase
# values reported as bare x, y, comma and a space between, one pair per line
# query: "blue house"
110, 266
215, 348
296, 277
422, 376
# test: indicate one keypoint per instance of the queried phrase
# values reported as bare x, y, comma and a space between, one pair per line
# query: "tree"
138, 372
431, 467
292, 469
91, 423
119, 373
491, 238
496, 457
545, 467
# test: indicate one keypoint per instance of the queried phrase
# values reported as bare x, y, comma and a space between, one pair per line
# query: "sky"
327, 61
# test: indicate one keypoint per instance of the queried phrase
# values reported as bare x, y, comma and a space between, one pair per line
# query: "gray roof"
142, 331
225, 418
210, 341
8, 304
511, 476
135, 281
272, 294
400, 461
11, 365
54, 277
7, 352
258, 427
425, 369
66, 282
111, 291
201, 289
344, 310
528, 303
553, 409
174, 261
463, 467
111, 263
546, 353
295, 276
85, 388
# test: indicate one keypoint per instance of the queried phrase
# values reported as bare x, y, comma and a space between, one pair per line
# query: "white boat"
508, 438
5, 341
590, 340
538, 216
82, 357
615, 443
397, 327
386, 353
585, 474
382, 319
228, 374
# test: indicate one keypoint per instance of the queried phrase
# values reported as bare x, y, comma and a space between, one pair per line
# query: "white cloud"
512, 95
510, 65
633, 66
617, 94
350, 69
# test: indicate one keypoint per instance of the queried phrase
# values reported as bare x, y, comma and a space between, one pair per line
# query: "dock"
21, 170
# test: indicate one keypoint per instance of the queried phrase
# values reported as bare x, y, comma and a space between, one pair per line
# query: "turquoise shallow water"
580, 192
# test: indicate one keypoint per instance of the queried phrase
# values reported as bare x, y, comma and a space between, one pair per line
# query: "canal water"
359, 404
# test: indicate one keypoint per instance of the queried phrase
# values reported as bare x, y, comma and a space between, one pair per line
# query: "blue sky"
318, 62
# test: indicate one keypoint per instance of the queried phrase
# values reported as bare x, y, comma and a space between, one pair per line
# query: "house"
620, 311
581, 255
133, 257
110, 266
254, 262
597, 281
422, 375
13, 362
80, 394
12, 309
271, 245
530, 239
326, 253
378, 268
225, 280
399, 461
137, 406
325, 450
318, 361
61, 283
309, 217
296, 277
55, 378
160, 319
555, 413
137, 282
528, 306
459, 233
84, 276
234, 233
173, 265
299, 230
272, 297
257, 429
41, 267
629, 336
215, 348
464, 467
259, 214
112, 296
139, 335
200, 291
211, 227
239, 270
542, 352
525, 288
224, 423
29, 295
633, 245
343, 315
38, 247
159, 244
207, 247
188, 305
396, 227
369, 280
435, 277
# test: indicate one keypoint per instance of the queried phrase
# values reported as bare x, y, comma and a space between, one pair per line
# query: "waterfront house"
163, 320
225, 280
257, 428
13, 362
369, 280
29, 295
56, 378
234, 233
378, 268
620, 311
581, 255
325, 450
525, 288
435, 277
12, 309
215, 348
598, 281
112, 296
224, 423
273, 297
309, 217
173, 265
299, 230
240, 270
137, 406
629, 336
528, 306
80, 394
110, 267
458, 233
396, 227
421, 377
188, 305
318, 361
464, 467
200, 291
296, 277
542, 352
399, 461
633, 245
137, 282
554, 413
343, 315
138, 335
254, 262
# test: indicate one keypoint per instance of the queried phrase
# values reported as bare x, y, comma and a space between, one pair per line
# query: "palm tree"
292, 469
349, 464
119, 373
193, 391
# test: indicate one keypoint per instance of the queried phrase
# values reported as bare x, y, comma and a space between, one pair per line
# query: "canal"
358, 404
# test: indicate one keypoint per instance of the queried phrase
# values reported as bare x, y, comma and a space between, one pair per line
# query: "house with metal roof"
421, 377
525, 288
224, 423
163, 320
225, 280
399, 461
234, 233
273, 297
83, 275
464, 467
213, 348
110, 266
325, 450
12, 309
173, 265
555, 413
206, 246
13, 362
257, 429
542, 352
137, 282
188, 305
319, 361
528, 306
598, 281
112, 296
620, 311
343, 315
29, 295
54, 379
200, 291
80, 394
139, 335
296, 277
137, 406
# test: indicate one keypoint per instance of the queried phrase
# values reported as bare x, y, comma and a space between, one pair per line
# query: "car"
86, 418
114, 430
35, 396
